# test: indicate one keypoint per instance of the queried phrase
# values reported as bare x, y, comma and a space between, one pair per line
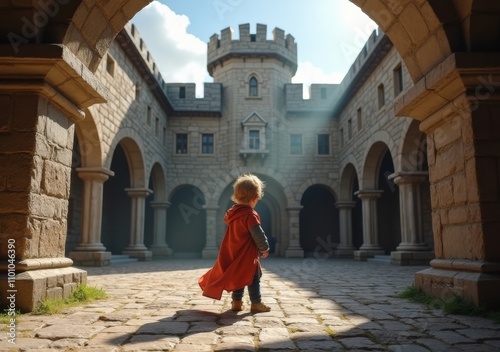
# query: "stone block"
54, 293
32, 286
56, 179
19, 172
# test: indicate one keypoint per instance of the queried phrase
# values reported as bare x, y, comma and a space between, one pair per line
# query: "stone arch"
299, 192
377, 145
158, 197
230, 177
413, 150
416, 29
131, 143
174, 183
349, 176
94, 25
157, 176
89, 138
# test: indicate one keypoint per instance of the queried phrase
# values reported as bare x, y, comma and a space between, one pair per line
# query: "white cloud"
180, 56
308, 74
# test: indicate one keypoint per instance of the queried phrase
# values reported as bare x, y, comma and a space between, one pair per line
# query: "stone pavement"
317, 305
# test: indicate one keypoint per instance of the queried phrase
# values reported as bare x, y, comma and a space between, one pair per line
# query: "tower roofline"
224, 47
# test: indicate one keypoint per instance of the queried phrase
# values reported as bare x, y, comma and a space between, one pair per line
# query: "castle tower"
253, 72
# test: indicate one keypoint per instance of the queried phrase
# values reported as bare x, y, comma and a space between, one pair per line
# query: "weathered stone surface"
55, 332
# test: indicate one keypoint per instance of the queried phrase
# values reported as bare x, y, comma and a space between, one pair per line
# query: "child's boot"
259, 308
236, 306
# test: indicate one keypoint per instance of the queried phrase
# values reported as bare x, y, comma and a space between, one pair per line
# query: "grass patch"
82, 294
5, 317
453, 305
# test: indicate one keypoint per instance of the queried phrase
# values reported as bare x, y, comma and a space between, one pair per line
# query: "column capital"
369, 193
138, 192
405, 177
211, 207
345, 204
38, 68
96, 173
294, 208
159, 204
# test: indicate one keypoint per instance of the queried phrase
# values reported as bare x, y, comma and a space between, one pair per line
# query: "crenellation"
279, 36
244, 32
261, 33
226, 36
187, 101
252, 45
322, 98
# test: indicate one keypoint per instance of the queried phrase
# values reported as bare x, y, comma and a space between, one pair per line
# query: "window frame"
319, 145
293, 146
177, 152
210, 144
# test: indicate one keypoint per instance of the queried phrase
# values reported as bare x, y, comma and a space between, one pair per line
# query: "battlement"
183, 98
322, 99
224, 47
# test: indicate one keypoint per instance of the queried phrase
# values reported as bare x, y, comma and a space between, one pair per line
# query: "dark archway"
319, 221
389, 222
115, 234
186, 222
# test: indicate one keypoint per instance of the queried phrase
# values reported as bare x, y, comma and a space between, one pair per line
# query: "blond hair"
247, 188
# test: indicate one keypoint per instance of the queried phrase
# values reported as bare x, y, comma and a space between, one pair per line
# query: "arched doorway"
388, 213
115, 234
186, 222
318, 221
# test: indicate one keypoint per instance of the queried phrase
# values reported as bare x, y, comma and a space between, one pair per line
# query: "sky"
329, 34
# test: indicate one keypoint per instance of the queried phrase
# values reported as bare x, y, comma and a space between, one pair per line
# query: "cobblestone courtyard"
317, 305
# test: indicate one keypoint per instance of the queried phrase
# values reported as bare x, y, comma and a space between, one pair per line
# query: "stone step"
121, 259
382, 259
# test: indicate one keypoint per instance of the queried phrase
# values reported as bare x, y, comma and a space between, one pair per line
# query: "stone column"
345, 247
159, 248
370, 245
136, 248
463, 135
294, 249
211, 250
90, 251
42, 94
412, 250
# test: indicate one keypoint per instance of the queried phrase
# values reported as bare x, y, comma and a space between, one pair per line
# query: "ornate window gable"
254, 136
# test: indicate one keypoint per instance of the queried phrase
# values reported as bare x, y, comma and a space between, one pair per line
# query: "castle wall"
136, 113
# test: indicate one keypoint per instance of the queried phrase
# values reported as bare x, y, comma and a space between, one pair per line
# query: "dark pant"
253, 290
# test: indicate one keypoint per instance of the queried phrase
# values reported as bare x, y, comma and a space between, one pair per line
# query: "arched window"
253, 87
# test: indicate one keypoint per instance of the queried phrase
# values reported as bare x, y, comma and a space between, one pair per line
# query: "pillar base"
478, 282
363, 255
32, 287
294, 253
411, 257
161, 252
210, 253
347, 252
98, 258
142, 256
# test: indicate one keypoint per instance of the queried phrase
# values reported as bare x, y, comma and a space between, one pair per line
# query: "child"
237, 264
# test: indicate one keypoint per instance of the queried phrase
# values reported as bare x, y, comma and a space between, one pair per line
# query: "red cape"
238, 254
